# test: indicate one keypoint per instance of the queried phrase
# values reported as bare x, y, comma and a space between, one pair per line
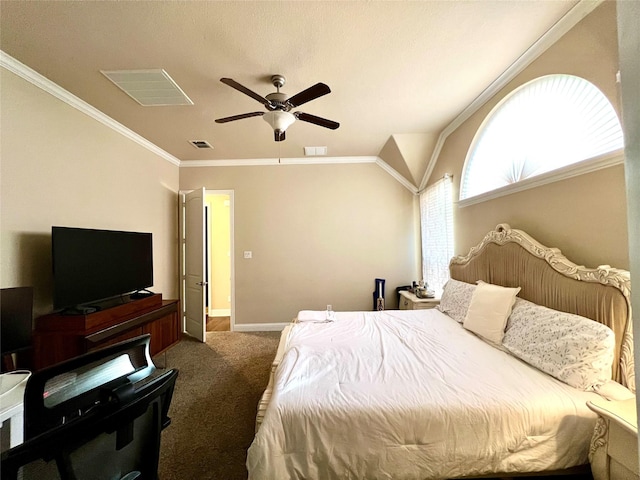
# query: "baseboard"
220, 312
259, 327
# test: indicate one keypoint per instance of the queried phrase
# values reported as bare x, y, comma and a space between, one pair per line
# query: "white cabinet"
408, 301
614, 446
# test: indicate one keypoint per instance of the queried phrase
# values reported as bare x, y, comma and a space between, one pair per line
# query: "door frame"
232, 305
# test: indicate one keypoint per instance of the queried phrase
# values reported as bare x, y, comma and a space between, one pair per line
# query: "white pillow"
489, 310
613, 391
455, 300
574, 349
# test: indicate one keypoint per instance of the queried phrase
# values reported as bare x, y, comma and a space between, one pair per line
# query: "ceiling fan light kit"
279, 121
278, 106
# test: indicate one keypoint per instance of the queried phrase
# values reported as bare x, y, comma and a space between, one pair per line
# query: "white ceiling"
394, 68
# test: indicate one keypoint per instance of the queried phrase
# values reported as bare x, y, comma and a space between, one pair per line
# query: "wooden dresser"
58, 337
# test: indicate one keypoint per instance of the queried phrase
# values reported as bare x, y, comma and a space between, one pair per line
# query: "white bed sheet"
412, 395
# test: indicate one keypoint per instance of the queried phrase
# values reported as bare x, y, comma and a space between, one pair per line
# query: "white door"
194, 261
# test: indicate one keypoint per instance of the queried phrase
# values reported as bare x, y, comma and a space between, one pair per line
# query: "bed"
441, 393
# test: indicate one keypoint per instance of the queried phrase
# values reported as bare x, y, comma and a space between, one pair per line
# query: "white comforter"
412, 395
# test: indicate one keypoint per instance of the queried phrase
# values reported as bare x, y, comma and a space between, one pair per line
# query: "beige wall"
319, 234
60, 167
584, 216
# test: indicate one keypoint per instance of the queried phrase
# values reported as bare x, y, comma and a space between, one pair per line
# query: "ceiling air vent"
200, 143
149, 87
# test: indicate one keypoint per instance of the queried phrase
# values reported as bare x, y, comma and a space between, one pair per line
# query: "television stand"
58, 337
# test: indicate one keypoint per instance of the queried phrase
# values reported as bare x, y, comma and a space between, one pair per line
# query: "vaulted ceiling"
399, 72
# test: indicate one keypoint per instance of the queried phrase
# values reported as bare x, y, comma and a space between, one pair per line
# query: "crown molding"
394, 173
551, 36
40, 81
253, 162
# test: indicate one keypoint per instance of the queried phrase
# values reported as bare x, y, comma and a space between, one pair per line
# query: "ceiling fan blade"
241, 88
311, 93
239, 117
323, 122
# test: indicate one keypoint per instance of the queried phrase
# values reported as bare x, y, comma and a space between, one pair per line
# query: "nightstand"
408, 301
614, 446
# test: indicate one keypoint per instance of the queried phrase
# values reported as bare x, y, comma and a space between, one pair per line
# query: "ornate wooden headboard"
511, 258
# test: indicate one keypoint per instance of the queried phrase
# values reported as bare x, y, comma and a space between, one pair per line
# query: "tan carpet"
214, 404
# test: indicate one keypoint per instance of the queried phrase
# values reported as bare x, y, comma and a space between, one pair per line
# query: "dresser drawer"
408, 301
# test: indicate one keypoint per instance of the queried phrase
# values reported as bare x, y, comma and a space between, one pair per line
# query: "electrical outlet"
248, 254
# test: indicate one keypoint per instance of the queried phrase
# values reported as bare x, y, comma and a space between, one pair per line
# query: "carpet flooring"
214, 404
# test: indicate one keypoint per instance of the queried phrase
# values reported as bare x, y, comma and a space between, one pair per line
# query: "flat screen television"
90, 266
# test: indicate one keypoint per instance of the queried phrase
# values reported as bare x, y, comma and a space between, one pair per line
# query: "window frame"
581, 167
443, 190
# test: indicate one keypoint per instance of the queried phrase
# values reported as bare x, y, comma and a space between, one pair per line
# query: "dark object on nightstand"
402, 289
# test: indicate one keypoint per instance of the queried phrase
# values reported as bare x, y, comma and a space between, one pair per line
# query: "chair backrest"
99, 416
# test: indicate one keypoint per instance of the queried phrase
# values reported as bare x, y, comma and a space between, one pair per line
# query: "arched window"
546, 124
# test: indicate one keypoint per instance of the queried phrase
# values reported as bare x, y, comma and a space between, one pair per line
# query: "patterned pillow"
574, 349
456, 298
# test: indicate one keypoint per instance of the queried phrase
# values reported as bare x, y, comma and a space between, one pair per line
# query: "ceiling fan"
278, 106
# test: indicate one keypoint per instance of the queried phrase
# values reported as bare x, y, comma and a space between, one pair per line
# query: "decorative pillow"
489, 310
614, 391
574, 349
456, 298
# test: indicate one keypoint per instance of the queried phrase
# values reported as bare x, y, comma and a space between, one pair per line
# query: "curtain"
436, 224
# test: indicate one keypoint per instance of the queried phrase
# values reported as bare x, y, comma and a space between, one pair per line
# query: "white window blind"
546, 124
436, 221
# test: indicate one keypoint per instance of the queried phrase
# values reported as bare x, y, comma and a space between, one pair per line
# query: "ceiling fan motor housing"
277, 101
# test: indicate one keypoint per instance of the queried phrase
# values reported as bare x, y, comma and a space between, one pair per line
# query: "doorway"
206, 258
219, 246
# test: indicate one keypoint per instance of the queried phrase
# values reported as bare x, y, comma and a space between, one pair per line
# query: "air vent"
200, 143
149, 87
315, 151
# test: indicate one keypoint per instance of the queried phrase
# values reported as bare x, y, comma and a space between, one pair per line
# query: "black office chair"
98, 416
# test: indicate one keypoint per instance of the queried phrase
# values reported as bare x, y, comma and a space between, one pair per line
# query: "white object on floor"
12, 385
